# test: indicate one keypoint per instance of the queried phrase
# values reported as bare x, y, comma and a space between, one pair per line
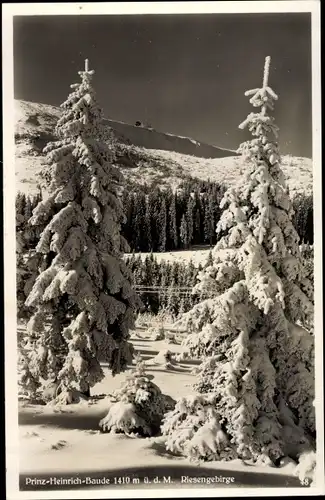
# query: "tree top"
86, 71
264, 96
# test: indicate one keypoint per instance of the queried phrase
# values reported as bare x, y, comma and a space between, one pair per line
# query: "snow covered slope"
198, 255
31, 117
53, 440
145, 155
152, 139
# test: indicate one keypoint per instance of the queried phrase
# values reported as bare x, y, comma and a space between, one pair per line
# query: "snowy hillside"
152, 139
32, 117
145, 155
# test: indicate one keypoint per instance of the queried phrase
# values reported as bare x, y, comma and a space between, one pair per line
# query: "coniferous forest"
162, 220
195, 205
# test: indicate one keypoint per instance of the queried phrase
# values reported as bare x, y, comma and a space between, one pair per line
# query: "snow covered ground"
196, 255
66, 442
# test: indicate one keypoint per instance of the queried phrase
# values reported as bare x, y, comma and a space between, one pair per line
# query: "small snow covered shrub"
157, 333
28, 385
170, 338
143, 320
164, 358
50, 391
193, 429
137, 407
306, 467
165, 316
182, 356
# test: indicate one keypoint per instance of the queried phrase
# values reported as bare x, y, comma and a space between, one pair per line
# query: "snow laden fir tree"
138, 406
83, 301
256, 381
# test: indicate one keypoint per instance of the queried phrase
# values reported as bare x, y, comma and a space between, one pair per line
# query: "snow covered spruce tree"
138, 406
255, 332
83, 301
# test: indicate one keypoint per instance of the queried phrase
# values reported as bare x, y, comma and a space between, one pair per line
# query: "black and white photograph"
163, 249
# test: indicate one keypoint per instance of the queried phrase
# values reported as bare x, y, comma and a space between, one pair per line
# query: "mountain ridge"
161, 161
141, 136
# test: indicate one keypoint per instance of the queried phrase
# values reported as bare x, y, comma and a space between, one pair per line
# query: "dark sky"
184, 74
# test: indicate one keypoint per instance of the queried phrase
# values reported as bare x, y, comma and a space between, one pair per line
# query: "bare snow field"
144, 155
66, 441
197, 255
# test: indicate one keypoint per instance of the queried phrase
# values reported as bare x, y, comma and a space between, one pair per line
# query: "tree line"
161, 220
172, 278
154, 221
171, 283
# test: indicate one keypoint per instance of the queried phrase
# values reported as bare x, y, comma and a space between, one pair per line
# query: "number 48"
304, 482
